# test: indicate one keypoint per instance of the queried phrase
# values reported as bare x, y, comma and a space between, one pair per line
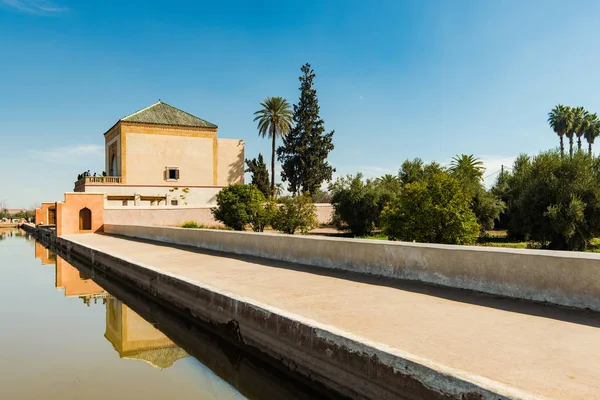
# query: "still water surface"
63, 336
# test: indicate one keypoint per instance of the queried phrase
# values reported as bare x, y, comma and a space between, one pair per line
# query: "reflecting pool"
66, 336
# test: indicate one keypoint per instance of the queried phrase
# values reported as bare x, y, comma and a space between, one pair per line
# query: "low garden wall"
159, 216
563, 278
176, 216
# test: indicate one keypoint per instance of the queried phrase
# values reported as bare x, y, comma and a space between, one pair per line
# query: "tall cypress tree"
259, 173
303, 154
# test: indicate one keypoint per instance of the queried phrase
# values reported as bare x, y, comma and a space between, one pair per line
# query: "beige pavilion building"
164, 156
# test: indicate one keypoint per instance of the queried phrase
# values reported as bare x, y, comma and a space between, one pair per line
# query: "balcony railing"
97, 180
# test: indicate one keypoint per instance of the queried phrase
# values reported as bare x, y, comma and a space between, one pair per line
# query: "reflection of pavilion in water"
44, 254
135, 338
131, 336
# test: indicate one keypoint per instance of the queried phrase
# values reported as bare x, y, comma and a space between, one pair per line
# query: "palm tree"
274, 120
575, 117
592, 132
467, 167
580, 124
560, 121
388, 179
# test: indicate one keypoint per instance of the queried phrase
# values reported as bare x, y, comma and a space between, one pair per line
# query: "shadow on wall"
236, 169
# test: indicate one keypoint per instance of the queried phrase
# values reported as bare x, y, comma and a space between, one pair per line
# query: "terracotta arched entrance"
52, 216
85, 219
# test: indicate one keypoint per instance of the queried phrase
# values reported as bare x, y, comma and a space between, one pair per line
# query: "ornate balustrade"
97, 180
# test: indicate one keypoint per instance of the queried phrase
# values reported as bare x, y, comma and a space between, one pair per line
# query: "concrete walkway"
537, 351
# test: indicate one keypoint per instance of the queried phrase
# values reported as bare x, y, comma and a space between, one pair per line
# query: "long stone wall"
159, 216
564, 278
176, 216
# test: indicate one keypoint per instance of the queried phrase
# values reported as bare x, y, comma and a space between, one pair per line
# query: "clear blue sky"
395, 79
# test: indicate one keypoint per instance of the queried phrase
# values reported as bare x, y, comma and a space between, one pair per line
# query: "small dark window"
174, 202
172, 174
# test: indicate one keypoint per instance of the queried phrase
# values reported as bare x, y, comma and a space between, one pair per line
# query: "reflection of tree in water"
9, 233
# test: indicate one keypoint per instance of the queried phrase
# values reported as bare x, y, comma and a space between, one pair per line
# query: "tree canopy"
574, 122
259, 174
553, 200
305, 149
432, 210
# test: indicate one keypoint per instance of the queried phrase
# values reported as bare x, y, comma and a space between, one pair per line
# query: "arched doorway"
85, 219
52, 216
113, 166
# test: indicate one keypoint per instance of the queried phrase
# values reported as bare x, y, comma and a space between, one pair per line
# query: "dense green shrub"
487, 208
192, 225
553, 200
468, 170
356, 204
434, 209
296, 213
241, 205
416, 170
263, 215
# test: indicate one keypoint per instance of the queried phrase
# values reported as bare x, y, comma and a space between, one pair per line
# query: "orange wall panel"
67, 213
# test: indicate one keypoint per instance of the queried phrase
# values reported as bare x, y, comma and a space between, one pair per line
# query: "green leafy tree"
554, 200
305, 149
416, 170
507, 188
274, 121
295, 213
411, 171
433, 210
487, 207
263, 215
356, 204
468, 170
561, 122
388, 187
259, 174
241, 205
501, 189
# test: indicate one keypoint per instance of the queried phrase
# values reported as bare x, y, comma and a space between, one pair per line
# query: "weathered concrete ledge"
337, 359
569, 279
253, 376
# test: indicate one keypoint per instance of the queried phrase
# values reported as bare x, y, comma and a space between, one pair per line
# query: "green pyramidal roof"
164, 114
